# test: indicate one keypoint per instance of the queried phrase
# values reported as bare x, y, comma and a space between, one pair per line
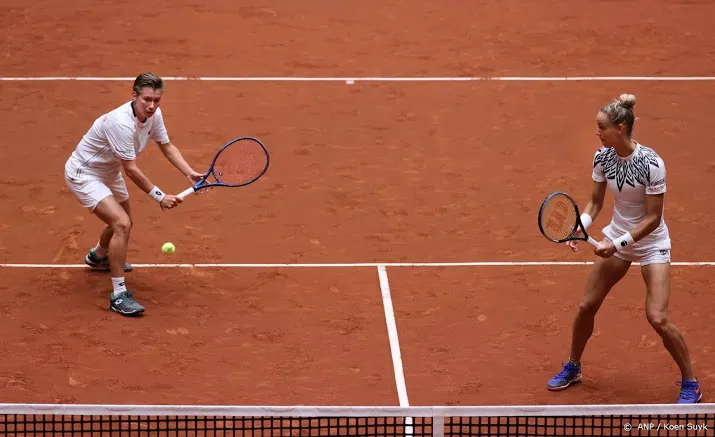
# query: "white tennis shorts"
90, 190
649, 252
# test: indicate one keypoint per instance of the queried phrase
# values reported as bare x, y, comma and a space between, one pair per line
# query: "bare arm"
598, 194
592, 209
137, 176
172, 153
654, 213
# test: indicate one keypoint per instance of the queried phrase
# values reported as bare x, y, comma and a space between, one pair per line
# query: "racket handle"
186, 192
592, 241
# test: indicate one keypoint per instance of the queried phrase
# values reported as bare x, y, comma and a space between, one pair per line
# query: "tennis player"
93, 173
635, 175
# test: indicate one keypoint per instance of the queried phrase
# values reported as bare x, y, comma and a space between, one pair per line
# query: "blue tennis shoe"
570, 374
690, 392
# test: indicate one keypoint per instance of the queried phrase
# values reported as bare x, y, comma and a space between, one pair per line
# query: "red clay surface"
392, 37
369, 172
246, 337
514, 326
402, 172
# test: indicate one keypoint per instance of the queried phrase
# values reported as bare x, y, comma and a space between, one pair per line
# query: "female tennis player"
635, 175
93, 174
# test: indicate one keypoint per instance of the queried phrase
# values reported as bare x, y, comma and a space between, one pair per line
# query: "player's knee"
588, 307
658, 320
122, 225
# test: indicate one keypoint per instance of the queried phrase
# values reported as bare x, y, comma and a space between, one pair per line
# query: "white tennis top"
630, 180
115, 136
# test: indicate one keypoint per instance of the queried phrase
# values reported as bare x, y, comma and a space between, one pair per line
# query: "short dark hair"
150, 80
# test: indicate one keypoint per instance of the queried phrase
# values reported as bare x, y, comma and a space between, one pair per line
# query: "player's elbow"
654, 212
653, 220
167, 148
596, 206
131, 169
129, 165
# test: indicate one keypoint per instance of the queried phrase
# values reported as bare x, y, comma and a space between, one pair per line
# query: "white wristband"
156, 194
586, 220
623, 241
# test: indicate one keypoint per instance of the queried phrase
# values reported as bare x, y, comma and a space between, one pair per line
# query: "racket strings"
558, 218
240, 163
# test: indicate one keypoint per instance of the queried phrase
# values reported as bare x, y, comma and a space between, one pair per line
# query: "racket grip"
186, 192
592, 241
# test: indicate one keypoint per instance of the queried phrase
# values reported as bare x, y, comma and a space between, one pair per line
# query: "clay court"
363, 175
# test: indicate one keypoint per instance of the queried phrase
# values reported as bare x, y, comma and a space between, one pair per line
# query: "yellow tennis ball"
168, 248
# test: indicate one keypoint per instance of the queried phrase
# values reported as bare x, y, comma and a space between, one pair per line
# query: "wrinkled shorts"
650, 252
90, 190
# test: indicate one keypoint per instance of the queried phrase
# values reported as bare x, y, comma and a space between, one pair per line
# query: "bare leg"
605, 274
117, 218
106, 236
119, 224
657, 280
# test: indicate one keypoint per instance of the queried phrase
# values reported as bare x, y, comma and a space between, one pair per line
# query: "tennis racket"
239, 162
560, 220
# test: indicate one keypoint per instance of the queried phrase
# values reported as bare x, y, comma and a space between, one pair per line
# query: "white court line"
394, 343
392, 334
318, 265
369, 79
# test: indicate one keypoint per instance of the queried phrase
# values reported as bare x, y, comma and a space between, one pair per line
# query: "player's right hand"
170, 201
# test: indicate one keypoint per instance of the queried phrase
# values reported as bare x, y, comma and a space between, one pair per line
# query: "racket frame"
200, 185
578, 225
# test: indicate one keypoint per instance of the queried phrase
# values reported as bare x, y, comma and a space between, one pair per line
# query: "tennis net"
448, 421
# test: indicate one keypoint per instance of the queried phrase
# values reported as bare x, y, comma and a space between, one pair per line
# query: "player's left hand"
194, 177
573, 244
605, 249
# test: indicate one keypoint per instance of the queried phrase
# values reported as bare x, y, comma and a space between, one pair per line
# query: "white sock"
119, 286
100, 251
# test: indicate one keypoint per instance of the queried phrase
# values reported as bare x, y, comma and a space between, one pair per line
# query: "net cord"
357, 411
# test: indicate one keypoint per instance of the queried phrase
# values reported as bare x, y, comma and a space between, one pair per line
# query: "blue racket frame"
200, 185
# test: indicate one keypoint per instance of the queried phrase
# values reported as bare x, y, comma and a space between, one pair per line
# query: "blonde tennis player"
93, 173
635, 175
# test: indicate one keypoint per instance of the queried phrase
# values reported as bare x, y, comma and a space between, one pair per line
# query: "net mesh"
22, 420
603, 425
241, 162
164, 425
558, 218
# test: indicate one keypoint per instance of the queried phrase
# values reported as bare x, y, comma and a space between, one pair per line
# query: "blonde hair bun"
628, 101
